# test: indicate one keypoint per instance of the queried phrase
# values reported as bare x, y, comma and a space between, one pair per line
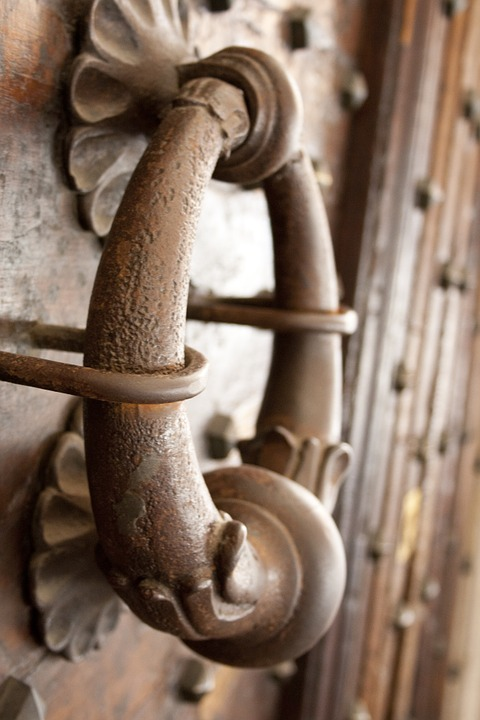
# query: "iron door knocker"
246, 565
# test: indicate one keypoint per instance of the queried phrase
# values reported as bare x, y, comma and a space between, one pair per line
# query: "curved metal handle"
257, 576
299, 425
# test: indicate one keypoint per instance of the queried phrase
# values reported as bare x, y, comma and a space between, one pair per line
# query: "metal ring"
108, 386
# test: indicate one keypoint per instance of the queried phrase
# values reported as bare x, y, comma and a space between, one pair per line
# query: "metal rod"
103, 385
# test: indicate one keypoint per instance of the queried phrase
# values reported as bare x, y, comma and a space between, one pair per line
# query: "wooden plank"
383, 214
446, 638
390, 437
460, 162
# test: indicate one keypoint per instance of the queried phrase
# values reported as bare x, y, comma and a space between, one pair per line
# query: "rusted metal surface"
257, 312
275, 112
161, 557
305, 279
254, 312
196, 574
186, 382
197, 680
201, 578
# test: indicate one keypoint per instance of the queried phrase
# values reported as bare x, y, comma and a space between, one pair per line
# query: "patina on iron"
181, 562
246, 565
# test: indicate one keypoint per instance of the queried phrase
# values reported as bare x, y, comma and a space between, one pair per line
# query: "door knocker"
245, 565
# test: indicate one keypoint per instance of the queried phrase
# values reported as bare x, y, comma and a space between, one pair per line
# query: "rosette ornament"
245, 565
120, 83
75, 607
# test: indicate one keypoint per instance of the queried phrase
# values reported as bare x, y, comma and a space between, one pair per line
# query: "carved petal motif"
76, 607
119, 86
100, 163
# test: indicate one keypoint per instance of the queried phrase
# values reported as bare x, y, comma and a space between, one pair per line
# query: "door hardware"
431, 590
409, 524
246, 566
197, 680
354, 91
405, 617
360, 711
452, 7
428, 193
403, 377
19, 701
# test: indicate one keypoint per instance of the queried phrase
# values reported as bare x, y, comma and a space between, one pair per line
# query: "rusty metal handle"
246, 565
254, 575
299, 426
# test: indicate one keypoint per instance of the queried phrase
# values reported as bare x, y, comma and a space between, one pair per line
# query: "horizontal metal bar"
257, 312
57, 337
262, 315
152, 389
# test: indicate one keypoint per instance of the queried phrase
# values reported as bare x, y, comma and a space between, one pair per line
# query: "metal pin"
453, 276
380, 547
443, 442
465, 566
471, 106
428, 193
403, 377
284, 671
431, 590
405, 617
454, 671
197, 680
452, 7
354, 91
422, 451
216, 6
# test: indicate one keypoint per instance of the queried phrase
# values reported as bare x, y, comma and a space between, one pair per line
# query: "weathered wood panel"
407, 367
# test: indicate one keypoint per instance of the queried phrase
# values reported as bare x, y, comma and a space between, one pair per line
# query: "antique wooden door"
392, 120
49, 254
